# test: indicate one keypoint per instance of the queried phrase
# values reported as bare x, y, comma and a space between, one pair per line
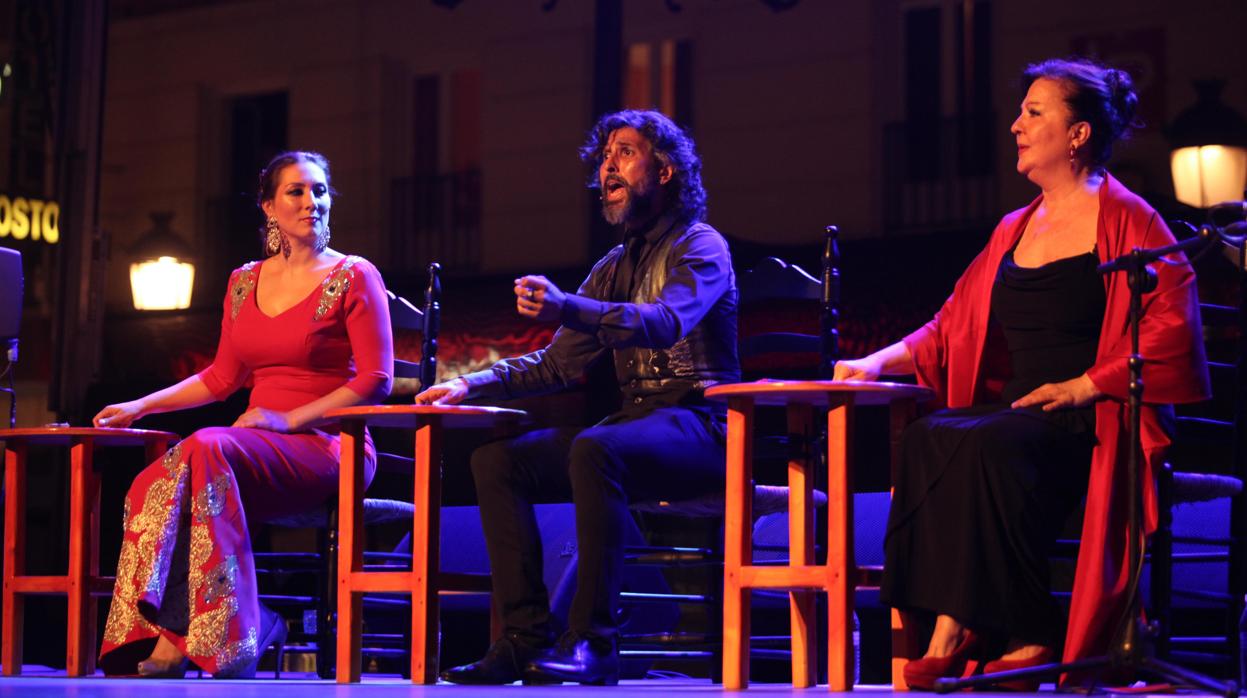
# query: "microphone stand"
1133, 645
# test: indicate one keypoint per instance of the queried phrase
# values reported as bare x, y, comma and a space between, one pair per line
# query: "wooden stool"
840, 576
83, 581
424, 580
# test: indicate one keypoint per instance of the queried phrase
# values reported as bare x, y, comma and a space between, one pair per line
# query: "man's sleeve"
701, 274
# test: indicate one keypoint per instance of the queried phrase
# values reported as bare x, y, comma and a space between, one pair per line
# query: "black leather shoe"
580, 658
503, 663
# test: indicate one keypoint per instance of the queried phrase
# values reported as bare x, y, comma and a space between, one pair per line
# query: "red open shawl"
952, 355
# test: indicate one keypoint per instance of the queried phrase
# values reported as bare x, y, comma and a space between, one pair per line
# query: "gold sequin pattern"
209, 630
172, 458
211, 499
143, 563
335, 286
235, 657
221, 581
123, 614
157, 526
244, 282
201, 550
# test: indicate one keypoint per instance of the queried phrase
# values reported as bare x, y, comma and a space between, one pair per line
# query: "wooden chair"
772, 282
1207, 462
375, 511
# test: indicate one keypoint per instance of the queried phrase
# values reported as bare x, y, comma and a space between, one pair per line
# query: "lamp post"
1209, 158
162, 272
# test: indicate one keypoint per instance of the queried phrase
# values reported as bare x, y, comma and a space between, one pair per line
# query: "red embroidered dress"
185, 568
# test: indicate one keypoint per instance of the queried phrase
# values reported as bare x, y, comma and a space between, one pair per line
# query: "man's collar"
653, 230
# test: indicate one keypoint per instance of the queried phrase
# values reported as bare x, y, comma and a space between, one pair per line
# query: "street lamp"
1209, 158
163, 272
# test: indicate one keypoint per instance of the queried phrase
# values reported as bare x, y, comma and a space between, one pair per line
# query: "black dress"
984, 491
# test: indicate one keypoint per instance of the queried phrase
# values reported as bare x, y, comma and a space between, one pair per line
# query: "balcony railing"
940, 174
436, 218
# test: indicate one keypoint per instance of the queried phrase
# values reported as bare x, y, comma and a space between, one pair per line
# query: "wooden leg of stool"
842, 567
14, 556
350, 551
425, 627
737, 543
80, 640
801, 548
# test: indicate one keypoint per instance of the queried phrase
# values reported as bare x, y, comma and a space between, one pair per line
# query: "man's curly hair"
672, 146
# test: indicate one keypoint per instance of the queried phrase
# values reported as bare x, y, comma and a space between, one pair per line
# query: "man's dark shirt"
669, 317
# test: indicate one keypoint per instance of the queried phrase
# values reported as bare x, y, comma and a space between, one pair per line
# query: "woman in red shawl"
1028, 355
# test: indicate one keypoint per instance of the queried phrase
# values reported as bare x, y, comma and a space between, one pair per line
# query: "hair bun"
1123, 98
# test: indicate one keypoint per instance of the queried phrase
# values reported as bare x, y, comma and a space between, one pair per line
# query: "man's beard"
637, 206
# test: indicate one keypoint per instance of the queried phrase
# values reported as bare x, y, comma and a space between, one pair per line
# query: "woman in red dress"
311, 327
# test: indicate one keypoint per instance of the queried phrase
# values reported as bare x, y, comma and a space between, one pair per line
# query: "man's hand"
260, 418
538, 298
866, 368
1075, 392
452, 392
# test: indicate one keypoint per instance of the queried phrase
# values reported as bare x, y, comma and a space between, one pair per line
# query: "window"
436, 212
658, 75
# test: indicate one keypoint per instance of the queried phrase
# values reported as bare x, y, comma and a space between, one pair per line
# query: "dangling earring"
1073, 156
275, 240
272, 237
322, 239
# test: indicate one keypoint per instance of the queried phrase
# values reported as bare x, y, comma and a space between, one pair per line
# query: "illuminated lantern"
1209, 158
162, 272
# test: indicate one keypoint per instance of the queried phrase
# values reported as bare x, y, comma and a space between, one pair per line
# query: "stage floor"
48, 683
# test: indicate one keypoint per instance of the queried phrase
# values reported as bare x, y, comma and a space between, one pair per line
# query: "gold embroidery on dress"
143, 564
157, 526
211, 499
220, 582
201, 550
123, 614
237, 656
209, 630
244, 282
335, 286
172, 458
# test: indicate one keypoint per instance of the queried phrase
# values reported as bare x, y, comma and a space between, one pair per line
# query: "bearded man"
663, 305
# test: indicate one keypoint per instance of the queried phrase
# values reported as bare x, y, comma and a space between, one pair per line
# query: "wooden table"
83, 580
840, 575
424, 580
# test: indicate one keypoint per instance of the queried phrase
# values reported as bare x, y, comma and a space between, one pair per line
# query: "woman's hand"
1075, 392
260, 418
452, 392
866, 368
120, 415
538, 298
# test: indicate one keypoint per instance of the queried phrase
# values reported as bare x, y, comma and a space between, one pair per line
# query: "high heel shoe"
275, 636
922, 673
1026, 685
272, 632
